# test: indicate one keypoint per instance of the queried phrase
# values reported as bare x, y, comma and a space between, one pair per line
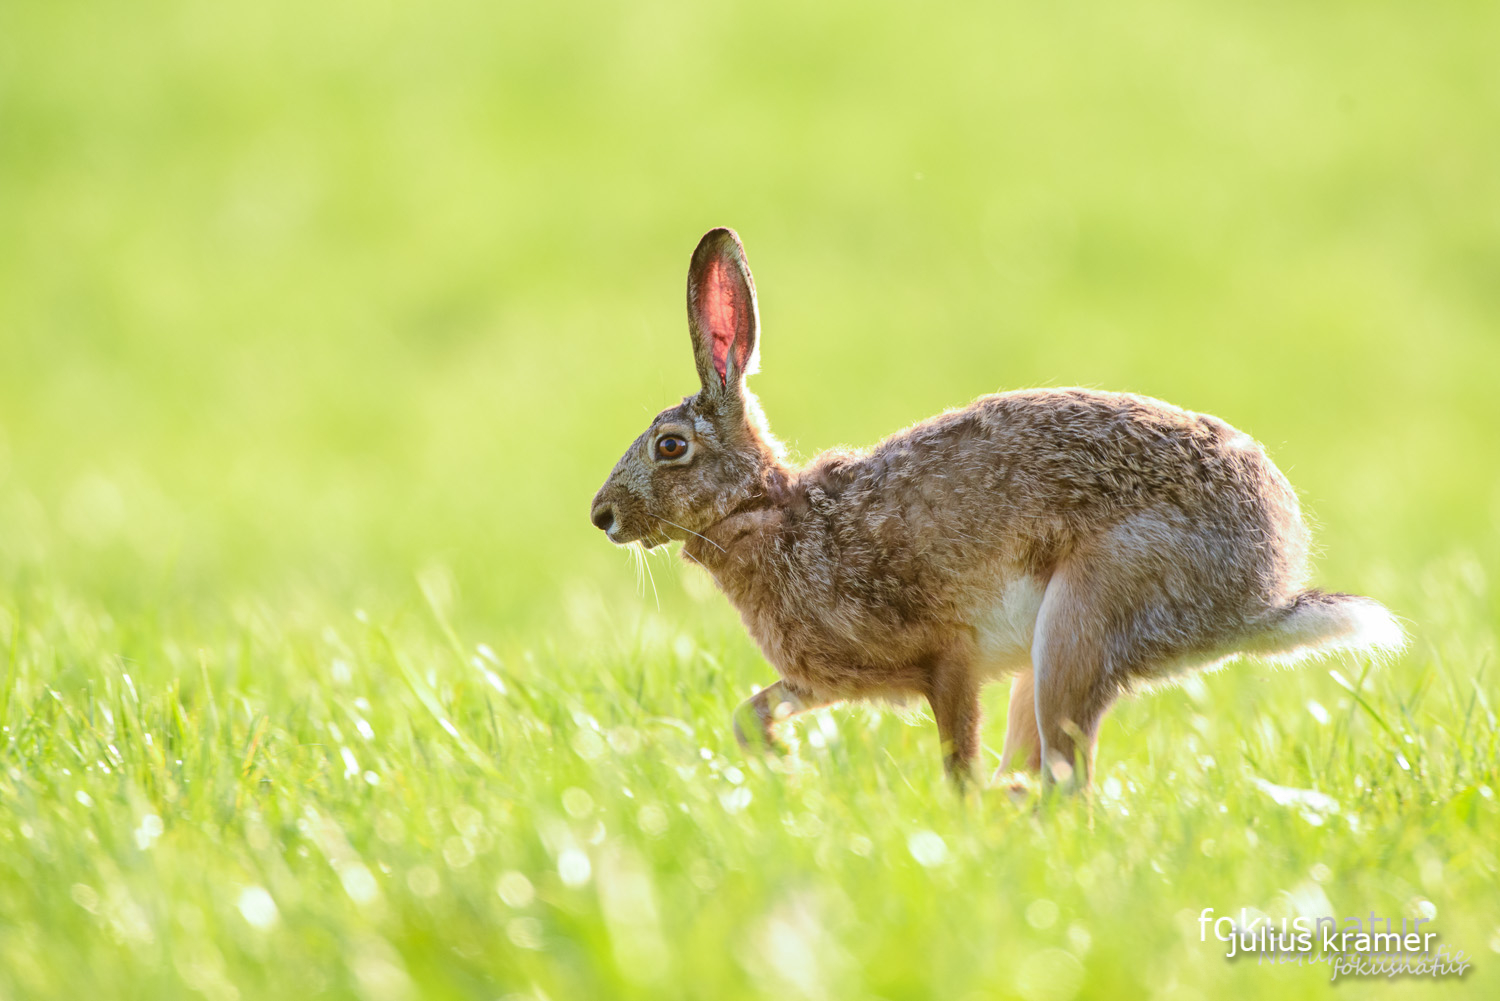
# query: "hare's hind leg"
1023, 744
1072, 684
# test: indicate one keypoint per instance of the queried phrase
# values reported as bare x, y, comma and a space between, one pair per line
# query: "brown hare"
1083, 542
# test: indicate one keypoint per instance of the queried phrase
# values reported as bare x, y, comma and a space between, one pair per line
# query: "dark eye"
671, 447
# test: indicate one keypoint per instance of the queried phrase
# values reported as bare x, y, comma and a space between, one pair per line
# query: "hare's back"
1027, 475
1087, 451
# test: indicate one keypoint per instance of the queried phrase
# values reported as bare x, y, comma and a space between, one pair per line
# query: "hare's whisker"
645, 564
689, 531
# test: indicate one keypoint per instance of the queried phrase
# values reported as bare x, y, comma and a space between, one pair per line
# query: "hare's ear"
722, 313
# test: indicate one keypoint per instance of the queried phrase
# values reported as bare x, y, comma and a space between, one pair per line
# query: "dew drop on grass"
358, 882
1195, 688
577, 803
468, 821
735, 799
524, 933
828, 727
652, 820
257, 907
703, 874
927, 848
589, 745
149, 830
1315, 807
494, 680
1419, 907
624, 740
515, 890
457, 852
379, 971
573, 867
85, 896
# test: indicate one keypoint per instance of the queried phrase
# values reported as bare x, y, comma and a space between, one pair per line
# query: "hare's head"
702, 459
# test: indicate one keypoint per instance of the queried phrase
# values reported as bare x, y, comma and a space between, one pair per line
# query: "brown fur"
1080, 541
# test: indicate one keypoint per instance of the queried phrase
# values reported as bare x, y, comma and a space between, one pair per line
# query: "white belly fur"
1006, 625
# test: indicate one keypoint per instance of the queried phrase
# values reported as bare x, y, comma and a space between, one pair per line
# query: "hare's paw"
1020, 787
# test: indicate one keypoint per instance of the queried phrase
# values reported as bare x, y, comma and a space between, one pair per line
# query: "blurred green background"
314, 308
312, 295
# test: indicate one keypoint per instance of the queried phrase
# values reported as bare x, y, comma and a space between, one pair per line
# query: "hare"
1084, 543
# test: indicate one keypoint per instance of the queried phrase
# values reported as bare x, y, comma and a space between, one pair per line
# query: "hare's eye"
671, 447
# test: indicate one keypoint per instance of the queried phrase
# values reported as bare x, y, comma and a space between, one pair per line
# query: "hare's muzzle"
603, 517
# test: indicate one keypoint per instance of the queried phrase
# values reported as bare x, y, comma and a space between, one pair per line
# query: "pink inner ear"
725, 314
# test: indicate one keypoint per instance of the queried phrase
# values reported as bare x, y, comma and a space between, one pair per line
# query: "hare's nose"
603, 517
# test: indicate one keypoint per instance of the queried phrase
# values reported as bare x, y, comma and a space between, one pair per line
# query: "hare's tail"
1319, 622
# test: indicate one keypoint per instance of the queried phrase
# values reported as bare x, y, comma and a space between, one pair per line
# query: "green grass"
432, 818
319, 326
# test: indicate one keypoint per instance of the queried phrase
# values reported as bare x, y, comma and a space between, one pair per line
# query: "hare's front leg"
757, 722
953, 693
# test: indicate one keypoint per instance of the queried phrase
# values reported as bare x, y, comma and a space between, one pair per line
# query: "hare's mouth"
650, 540
620, 535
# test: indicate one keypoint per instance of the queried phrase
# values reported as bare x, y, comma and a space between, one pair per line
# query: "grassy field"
319, 326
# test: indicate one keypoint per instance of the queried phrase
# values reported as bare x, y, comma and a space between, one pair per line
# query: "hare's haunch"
1083, 542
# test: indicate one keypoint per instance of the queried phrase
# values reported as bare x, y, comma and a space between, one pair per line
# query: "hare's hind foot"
1070, 749
1019, 787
